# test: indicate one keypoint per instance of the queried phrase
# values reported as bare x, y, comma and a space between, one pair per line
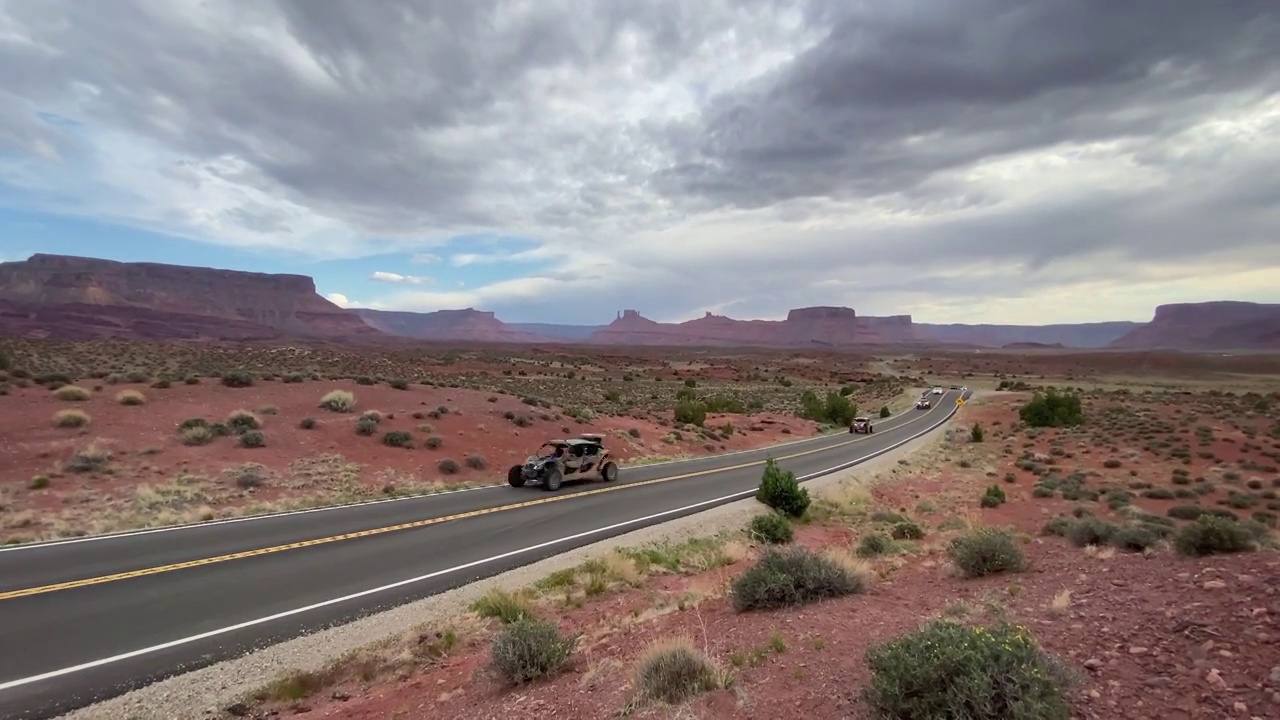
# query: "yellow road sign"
959, 401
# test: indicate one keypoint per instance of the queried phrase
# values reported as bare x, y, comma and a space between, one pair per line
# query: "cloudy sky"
558, 160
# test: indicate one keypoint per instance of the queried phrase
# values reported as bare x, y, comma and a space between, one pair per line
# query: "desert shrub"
780, 490
448, 466
1052, 409
792, 576
71, 393
399, 384
197, 435
307, 423
1134, 537
163, 383
837, 409
986, 552
1111, 463
1059, 526
884, 411
475, 462
397, 438
993, 497
131, 397
771, 528
873, 545
530, 649
340, 401
292, 378
673, 671
907, 530
237, 379
434, 442
192, 380
91, 459
70, 418
1210, 535
241, 421
252, 439
948, 670
977, 434
1091, 531
690, 412
1185, 512
366, 426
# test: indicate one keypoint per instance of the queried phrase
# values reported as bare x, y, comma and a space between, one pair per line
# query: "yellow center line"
12, 594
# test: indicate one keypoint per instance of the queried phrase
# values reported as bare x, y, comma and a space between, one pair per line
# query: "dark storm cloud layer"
973, 80
401, 118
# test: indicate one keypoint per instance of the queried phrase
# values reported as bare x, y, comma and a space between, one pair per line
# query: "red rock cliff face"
804, 327
1222, 325
468, 325
136, 298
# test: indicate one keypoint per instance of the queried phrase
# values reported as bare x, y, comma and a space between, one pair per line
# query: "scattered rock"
1213, 585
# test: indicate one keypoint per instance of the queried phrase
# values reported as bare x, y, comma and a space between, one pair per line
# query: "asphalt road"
73, 633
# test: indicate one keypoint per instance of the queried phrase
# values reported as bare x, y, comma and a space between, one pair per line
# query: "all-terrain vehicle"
924, 403
577, 457
861, 424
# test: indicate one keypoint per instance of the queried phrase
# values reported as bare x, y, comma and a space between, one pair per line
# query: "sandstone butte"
75, 297
82, 298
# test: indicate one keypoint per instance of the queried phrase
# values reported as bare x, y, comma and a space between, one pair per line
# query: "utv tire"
515, 476
609, 472
552, 483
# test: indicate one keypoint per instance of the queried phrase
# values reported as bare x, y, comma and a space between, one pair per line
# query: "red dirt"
1154, 634
148, 448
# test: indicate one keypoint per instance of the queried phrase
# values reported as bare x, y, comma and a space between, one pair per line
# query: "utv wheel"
515, 476
552, 482
609, 472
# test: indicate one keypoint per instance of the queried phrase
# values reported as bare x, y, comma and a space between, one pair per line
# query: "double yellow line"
12, 594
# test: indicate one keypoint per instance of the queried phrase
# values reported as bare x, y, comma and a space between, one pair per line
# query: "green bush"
1091, 531
366, 426
1134, 538
874, 545
885, 411
530, 649
1213, 535
986, 552
1052, 409
837, 409
691, 412
946, 670
792, 576
237, 379
780, 490
771, 528
993, 497
252, 439
977, 434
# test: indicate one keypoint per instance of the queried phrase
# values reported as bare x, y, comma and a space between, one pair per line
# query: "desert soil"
1150, 632
469, 417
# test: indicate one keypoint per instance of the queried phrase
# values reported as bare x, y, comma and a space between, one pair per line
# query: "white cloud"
390, 277
339, 299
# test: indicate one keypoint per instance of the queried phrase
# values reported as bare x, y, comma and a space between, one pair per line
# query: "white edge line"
288, 613
365, 503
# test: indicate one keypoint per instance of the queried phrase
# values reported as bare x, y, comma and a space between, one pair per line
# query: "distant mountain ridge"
77, 297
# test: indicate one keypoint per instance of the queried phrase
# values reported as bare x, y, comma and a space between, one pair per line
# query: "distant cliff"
463, 325
825, 326
1219, 325
63, 296
1082, 335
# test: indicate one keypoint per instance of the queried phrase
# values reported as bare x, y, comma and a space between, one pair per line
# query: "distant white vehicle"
937, 391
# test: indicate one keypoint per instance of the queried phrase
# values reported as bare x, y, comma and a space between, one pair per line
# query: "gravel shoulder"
203, 693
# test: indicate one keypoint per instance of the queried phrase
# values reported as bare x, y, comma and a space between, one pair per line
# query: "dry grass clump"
72, 393
131, 398
70, 418
339, 401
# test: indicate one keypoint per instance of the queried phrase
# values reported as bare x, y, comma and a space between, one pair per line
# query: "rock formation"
1220, 325
1082, 335
62, 296
803, 327
468, 325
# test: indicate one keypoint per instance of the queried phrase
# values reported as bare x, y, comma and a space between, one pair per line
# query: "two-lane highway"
86, 619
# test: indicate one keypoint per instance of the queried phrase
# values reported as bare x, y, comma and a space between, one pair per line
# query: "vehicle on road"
924, 403
577, 457
937, 390
861, 424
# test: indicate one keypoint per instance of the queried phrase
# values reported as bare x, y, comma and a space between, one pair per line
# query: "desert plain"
1120, 543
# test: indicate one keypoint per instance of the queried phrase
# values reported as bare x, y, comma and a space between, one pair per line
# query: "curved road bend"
84, 621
